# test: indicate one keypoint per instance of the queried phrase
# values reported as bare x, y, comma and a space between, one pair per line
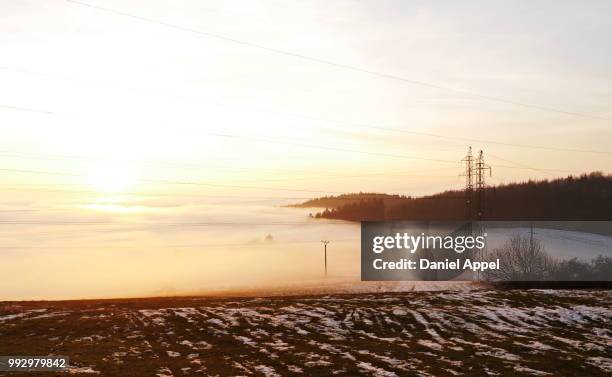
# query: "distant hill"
585, 197
344, 199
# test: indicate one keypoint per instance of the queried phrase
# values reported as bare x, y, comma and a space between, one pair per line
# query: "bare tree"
521, 259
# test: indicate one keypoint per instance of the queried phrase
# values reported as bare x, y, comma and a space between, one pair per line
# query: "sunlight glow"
117, 208
111, 177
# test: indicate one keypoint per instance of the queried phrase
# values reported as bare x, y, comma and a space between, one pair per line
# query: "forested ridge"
584, 197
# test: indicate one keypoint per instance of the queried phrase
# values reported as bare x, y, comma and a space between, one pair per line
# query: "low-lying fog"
174, 250
221, 245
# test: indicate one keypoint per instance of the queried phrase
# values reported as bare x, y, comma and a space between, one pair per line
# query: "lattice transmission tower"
480, 169
468, 162
475, 173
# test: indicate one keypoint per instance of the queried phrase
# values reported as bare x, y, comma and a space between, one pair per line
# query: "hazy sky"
108, 106
133, 85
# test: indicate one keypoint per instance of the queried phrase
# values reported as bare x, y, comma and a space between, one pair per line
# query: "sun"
111, 177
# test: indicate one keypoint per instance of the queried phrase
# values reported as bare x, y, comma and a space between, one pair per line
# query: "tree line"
584, 197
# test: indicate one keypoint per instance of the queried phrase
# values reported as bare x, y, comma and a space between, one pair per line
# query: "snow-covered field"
473, 333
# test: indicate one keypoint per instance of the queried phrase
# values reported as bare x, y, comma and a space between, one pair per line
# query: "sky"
135, 107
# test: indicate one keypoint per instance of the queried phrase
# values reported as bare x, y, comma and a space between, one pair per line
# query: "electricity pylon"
481, 168
474, 174
468, 161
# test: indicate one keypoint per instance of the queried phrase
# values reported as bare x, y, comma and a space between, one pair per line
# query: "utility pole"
325, 242
468, 161
480, 168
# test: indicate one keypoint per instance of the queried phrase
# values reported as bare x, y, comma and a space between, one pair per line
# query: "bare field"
467, 333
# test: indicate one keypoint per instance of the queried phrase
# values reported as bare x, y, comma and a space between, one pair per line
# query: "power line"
266, 140
330, 175
316, 146
299, 116
338, 65
127, 193
518, 164
199, 196
139, 162
369, 175
30, 110
313, 146
65, 174
174, 246
173, 182
144, 162
163, 224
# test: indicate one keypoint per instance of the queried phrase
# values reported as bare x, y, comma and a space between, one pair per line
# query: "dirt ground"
470, 333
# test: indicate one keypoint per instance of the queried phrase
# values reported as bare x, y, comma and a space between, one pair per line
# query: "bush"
521, 259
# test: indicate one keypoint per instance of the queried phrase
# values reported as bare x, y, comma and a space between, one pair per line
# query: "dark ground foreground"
503, 333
